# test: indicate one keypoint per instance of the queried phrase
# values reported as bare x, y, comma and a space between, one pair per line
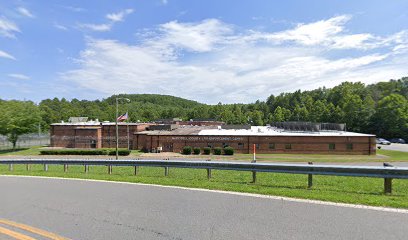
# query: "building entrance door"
167, 147
93, 143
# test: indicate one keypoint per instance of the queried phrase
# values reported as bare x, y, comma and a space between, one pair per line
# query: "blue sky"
209, 51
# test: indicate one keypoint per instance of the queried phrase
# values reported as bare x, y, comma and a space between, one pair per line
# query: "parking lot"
395, 147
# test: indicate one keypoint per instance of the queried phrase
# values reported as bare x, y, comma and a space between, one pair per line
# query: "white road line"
347, 205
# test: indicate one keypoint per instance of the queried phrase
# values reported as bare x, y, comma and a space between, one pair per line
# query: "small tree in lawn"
17, 118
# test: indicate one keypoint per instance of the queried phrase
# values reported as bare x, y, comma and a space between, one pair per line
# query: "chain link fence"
26, 140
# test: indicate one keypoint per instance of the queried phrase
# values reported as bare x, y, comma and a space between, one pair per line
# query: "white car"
383, 141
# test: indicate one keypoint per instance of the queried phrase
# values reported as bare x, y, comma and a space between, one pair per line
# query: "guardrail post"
387, 185
208, 171
166, 170
46, 167
65, 167
310, 178
28, 167
136, 169
11, 167
109, 169
253, 172
86, 168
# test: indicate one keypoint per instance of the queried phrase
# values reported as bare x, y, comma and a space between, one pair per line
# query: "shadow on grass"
3, 151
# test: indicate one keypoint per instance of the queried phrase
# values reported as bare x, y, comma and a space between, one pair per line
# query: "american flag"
123, 117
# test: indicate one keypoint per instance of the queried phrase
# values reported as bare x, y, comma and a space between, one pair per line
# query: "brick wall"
85, 136
264, 144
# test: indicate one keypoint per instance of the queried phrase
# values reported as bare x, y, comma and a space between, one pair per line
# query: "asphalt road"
395, 147
99, 210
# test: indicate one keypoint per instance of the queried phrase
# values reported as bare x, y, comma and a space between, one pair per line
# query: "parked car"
383, 141
398, 140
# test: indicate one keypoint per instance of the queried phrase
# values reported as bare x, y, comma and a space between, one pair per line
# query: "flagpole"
127, 113
117, 130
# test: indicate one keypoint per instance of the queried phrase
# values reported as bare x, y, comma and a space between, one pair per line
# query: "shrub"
228, 151
187, 150
207, 150
121, 152
74, 152
217, 151
196, 150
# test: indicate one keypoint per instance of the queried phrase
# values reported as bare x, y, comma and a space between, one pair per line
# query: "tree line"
380, 109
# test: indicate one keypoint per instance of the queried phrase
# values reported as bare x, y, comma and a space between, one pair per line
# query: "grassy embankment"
368, 191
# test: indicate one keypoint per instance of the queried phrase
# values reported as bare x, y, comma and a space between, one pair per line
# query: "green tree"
17, 118
257, 118
299, 114
391, 117
278, 115
227, 116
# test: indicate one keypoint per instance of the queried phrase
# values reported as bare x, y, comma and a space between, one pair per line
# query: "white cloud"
118, 17
312, 33
210, 61
104, 27
96, 27
8, 28
199, 37
329, 33
6, 55
25, 12
60, 27
19, 76
74, 9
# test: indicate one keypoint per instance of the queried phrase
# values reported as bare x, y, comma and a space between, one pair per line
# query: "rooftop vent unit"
236, 127
309, 126
203, 120
163, 127
77, 119
333, 126
298, 126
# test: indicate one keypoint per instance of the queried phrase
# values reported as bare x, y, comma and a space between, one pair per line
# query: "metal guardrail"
388, 173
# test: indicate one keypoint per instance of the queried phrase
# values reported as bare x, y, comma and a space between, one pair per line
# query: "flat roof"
92, 123
254, 131
181, 130
272, 131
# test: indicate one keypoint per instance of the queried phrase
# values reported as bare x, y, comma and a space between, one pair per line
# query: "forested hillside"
380, 108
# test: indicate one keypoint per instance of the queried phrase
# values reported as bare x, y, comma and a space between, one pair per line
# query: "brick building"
281, 138
94, 134
266, 140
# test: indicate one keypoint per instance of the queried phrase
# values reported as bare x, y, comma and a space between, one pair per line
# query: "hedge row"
121, 152
187, 150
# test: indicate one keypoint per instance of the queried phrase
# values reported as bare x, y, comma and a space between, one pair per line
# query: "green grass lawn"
35, 151
368, 191
31, 151
381, 156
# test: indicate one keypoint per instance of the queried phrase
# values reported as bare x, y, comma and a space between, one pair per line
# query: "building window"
288, 146
210, 145
224, 145
349, 146
93, 143
257, 145
271, 145
332, 146
240, 145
